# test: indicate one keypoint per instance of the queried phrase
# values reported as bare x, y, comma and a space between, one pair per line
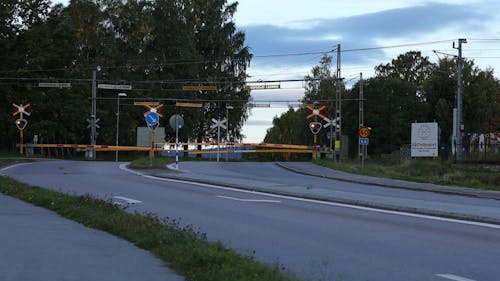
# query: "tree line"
410, 88
157, 46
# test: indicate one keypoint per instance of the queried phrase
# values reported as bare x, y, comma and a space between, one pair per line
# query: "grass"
181, 248
424, 170
9, 158
156, 163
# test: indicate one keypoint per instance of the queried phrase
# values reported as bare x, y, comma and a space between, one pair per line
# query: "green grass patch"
6, 161
423, 170
147, 163
181, 248
160, 162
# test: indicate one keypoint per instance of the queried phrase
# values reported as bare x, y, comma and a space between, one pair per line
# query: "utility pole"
338, 108
93, 116
361, 150
458, 123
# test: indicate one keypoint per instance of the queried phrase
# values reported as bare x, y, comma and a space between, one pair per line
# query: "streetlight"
118, 121
227, 129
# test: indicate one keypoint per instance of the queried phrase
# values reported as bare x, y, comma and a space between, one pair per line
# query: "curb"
359, 203
448, 192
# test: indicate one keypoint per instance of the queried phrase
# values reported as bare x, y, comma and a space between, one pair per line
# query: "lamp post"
227, 130
118, 121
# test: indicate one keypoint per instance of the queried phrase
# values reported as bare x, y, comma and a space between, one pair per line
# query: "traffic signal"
21, 123
315, 127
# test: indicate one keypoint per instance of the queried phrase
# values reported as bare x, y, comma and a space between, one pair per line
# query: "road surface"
309, 238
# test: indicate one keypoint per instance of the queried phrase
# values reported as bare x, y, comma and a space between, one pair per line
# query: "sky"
317, 26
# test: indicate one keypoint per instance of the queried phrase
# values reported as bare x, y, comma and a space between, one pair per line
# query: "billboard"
424, 140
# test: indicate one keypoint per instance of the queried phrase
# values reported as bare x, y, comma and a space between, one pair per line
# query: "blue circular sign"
152, 118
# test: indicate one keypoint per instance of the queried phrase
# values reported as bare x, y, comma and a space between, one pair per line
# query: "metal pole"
227, 133
21, 141
315, 138
117, 125
363, 147
92, 155
459, 99
218, 140
361, 151
338, 106
176, 142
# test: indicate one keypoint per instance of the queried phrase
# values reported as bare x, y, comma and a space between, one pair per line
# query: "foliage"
158, 45
410, 88
181, 248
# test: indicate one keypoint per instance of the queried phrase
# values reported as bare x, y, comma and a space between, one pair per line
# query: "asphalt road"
311, 239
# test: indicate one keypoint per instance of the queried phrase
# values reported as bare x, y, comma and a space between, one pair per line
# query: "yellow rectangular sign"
188, 104
150, 103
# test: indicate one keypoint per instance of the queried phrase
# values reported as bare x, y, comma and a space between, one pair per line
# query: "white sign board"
144, 136
424, 140
114, 87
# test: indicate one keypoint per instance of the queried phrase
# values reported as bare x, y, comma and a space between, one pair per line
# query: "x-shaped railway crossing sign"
218, 123
329, 122
316, 111
153, 109
21, 109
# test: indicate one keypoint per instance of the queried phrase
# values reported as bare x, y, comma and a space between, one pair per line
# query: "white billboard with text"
424, 140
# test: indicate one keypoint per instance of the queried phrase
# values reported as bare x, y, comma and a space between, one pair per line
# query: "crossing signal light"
315, 127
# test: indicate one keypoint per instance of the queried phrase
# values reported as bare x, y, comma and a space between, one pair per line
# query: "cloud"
259, 123
357, 32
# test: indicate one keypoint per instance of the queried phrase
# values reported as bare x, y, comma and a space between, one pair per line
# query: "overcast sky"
298, 26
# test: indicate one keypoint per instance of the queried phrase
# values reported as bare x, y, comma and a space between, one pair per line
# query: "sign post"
21, 122
363, 135
152, 117
316, 126
218, 124
152, 120
176, 122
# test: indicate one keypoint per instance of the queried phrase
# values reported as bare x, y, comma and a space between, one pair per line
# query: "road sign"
364, 132
217, 123
54, 85
263, 87
199, 88
315, 111
21, 123
259, 105
96, 121
152, 118
364, 141
176, 119
153, 109
147, 103
188, 104
21, 109
329, 122
114, 87
315, 127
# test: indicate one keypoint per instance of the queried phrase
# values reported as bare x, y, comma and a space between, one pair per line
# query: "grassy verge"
159, 162
182, 249
156, 163
424, 170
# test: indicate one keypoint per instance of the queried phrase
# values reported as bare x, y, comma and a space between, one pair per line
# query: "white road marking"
15, 165
369, 209
128, 200
248, 200
454, 277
